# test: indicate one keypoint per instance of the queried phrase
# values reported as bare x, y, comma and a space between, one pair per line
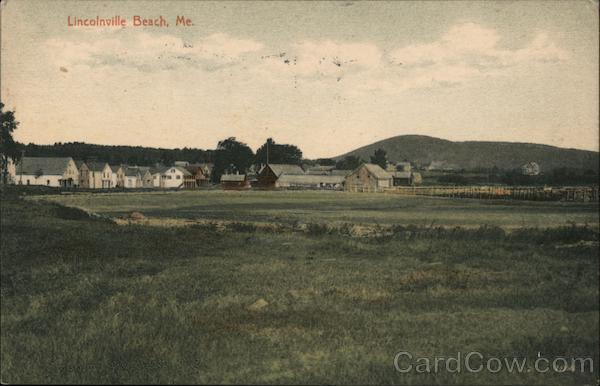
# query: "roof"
144, 169
377, 171
130, 171
195, 168
114, 168
340, 172
205, 165
321, 168
159, 169
233, 178
182, 170
310, 179
43, 165
78, 163
401, 174
280, 169
96, 166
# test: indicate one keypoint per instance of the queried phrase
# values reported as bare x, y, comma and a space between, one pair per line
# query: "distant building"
368, 178
156, 175
146, 177
114, 172
234, 182
47, 171
530, 169
181, 163
129, 177
270, 175
175, 177
320, 170
95, 175
200, 174
340, 172
310, 181
402, 178
84, 174
402, 174
440, 166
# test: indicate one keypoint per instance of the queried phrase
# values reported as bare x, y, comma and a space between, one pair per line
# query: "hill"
472, 155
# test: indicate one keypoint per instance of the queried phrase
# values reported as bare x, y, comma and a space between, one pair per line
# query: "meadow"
332, 207
85, 299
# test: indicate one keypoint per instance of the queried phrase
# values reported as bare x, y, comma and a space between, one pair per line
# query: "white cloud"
149, 52
464, 53
469, 50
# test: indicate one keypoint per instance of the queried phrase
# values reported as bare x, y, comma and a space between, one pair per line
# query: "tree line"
233, 156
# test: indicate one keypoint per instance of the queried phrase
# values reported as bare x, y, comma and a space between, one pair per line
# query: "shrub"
314, 229
241, 227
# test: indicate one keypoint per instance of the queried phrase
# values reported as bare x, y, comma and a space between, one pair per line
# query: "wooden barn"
270, 176
234, 182
368, 178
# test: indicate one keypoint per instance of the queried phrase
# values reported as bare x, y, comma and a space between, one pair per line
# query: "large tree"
8, 147
231, 156
271, 152
379, 158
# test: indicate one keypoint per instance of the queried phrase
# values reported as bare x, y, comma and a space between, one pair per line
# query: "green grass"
86, 300
320, 206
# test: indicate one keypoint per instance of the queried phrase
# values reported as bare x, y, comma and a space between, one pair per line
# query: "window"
178, 177
28, 181
47, 182
168, 177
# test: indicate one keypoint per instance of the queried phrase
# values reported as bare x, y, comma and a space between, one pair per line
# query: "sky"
326, 76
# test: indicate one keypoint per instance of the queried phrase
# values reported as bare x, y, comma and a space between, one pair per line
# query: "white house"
157, 175
114, 173
100, 175
146, 176
47, 171
173, 177
129, 177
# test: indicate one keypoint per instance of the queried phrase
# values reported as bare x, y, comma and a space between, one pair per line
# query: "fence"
535, 193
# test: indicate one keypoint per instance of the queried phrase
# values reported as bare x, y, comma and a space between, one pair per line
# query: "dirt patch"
136, 216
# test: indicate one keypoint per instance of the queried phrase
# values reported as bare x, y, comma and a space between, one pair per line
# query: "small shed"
234, 182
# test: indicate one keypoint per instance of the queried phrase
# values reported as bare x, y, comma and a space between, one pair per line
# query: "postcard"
299, 192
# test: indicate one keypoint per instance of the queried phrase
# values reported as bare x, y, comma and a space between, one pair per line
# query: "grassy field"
330, 207
86, 300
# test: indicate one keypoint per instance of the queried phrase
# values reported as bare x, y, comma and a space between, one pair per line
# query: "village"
65, 172
398, 178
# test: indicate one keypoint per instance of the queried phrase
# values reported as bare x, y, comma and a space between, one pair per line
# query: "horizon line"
314, 158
